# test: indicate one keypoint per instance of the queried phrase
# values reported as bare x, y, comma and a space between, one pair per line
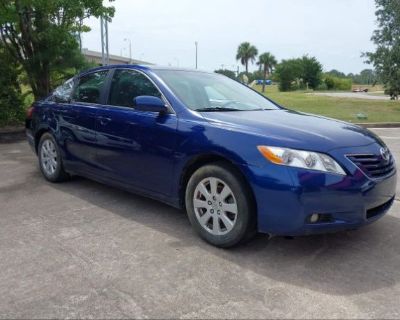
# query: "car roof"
139, 67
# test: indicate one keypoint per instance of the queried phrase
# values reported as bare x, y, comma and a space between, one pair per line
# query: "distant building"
95, 57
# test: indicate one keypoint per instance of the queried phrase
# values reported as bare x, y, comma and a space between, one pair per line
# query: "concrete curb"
380, 125
12, 134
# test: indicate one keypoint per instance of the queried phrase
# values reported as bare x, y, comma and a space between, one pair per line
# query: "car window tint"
89, 88
127, 85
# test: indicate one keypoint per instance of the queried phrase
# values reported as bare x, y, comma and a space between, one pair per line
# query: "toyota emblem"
385, 154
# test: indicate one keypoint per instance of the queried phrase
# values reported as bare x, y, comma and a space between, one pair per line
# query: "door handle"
104, 120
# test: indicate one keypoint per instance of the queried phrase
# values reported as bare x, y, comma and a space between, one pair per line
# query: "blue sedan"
236, 161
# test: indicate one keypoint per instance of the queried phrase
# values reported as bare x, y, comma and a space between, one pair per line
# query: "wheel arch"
201, 160
38, 135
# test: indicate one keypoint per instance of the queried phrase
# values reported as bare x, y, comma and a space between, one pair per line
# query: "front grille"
374, 166
380, 209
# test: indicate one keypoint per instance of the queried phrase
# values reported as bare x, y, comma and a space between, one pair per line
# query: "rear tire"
50, 161
220, 206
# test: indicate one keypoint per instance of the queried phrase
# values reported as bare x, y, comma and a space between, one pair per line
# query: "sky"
164, 32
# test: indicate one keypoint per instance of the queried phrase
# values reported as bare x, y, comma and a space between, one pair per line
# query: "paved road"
352, 95
81, 250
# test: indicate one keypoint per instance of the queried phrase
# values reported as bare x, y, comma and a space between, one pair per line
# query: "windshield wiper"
211, 109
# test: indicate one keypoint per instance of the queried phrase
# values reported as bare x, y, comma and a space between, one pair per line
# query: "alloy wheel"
215, 206
48, 156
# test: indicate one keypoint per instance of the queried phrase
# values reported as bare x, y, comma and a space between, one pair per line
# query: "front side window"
89, 87
126, 85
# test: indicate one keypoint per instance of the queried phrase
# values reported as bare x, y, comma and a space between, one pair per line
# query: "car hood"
294, 129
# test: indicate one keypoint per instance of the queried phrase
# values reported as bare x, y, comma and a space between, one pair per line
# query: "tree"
267, 61
288, 73
41, 36
299, 73
246, 53
11, 108
386, 58
368, 76
336, 73
229, 73
311, 72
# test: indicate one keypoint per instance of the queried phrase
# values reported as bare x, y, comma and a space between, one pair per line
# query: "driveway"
85, 250
351, 95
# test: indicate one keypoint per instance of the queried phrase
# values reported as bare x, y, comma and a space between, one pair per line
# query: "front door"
135, 147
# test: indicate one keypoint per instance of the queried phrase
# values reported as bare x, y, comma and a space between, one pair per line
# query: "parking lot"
84, 250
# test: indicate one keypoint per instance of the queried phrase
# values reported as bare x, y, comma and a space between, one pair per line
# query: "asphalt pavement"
84, 250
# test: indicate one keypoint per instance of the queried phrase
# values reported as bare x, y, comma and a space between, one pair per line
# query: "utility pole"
130, 49
196, 44
105, 56
177, 62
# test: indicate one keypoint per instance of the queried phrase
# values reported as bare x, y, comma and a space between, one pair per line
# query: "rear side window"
63, 92
129, 84
89, 87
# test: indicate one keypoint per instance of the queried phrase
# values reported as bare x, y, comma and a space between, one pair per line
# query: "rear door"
135, 147
79, 120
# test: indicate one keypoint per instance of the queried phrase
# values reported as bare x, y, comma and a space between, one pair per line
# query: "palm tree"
268, 62
245, 53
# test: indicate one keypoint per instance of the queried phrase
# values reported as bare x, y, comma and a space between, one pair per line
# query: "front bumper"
286, 197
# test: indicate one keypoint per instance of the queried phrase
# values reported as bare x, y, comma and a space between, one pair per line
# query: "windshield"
209, 92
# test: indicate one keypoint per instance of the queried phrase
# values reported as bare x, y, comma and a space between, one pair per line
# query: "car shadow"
344, 263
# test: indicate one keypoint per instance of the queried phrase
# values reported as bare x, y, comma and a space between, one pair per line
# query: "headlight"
301, 159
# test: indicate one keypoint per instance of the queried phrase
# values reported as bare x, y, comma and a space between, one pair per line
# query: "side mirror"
150, 103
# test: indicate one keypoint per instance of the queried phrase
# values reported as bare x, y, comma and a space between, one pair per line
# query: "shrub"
343, 84
302, 73
334, 83
228, 73
288, 73
311, 72
322, 87
11, 99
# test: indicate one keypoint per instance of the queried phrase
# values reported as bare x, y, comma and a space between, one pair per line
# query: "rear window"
63, 93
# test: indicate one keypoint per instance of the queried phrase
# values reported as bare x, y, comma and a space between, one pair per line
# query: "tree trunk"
37, 70
39, 80
265, 78
247, 67
43, 81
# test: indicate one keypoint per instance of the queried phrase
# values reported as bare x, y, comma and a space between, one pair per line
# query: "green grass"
339, 108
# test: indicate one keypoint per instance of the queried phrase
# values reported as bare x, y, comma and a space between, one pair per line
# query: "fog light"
314, 218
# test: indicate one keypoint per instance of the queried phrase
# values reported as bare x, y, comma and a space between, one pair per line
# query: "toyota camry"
237, 162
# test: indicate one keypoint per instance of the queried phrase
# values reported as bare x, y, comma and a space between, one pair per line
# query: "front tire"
220, 206
50, 161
